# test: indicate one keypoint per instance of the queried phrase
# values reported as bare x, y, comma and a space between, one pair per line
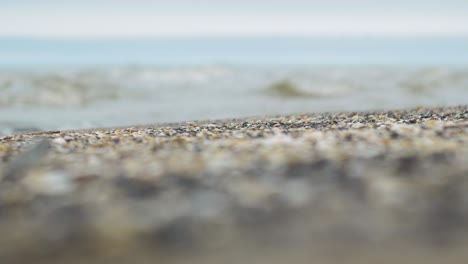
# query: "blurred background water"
112, 63
116, 83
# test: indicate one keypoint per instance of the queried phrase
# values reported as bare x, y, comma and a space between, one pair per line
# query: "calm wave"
115, 96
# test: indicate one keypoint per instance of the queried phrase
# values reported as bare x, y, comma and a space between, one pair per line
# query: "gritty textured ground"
330, 188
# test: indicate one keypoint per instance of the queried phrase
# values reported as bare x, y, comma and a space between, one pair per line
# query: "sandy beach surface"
387, 187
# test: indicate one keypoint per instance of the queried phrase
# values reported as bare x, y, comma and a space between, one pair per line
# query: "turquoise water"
17, 52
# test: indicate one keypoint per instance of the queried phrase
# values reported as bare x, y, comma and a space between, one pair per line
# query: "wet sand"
307, 188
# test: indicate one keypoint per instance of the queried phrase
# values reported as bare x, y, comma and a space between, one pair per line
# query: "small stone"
59, 141
434, 125
51, 183
358, 125
403, 129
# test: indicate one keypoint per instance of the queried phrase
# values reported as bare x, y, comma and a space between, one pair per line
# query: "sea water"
73, 84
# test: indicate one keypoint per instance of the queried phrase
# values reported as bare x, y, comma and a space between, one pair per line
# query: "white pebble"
358, 125
50, 183
59, 141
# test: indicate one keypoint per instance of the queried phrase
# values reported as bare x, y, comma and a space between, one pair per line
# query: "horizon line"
232, 36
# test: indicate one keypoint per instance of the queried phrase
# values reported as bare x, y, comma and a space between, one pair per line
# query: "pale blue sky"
146, 18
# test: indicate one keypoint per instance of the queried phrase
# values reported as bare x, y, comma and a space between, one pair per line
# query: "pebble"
53, 183
59, 141
299, 180
358, 125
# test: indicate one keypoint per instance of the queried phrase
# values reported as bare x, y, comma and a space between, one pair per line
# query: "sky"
196, 18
